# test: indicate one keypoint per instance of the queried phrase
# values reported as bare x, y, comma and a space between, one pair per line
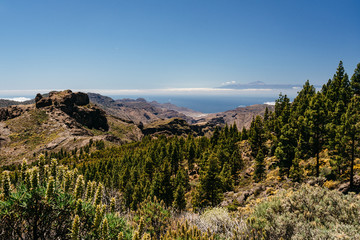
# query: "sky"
174, 44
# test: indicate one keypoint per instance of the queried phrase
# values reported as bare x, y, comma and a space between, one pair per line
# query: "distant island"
259, 85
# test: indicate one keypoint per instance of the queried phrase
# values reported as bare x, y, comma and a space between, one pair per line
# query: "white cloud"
270, 103
18, 99
265, 92
177, 91
228, 83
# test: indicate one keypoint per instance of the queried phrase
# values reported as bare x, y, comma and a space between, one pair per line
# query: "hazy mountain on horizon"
259, 85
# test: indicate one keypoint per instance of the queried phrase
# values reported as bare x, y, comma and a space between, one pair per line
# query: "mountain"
241, 116
68, 120
141, 111
186, 111
63, 120
260, 85
7, 103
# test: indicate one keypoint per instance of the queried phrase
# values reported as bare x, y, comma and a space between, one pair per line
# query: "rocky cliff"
76, 105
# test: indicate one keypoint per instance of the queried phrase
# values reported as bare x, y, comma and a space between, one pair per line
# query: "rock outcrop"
174, 126
10, 112
76, 105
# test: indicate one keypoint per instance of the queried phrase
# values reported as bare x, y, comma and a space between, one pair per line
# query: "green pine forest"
292, 175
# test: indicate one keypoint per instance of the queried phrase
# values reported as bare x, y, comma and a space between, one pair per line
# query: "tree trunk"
352, 162
317, 164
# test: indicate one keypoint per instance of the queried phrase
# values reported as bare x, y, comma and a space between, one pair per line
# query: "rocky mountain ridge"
139, 110
69, 120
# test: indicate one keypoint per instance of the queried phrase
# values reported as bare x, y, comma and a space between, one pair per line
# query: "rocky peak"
76, 105
64, 100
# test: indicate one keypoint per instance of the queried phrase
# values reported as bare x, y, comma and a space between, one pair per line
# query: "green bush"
42, 205
311, 212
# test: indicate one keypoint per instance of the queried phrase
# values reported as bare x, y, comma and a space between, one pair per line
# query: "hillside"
7, 103
67, 120
139, 110
241, 116
64, 120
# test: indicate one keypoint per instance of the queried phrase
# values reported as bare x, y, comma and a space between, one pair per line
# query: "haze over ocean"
206, 102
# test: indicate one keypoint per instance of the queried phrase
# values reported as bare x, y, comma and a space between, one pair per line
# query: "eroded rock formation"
77, 106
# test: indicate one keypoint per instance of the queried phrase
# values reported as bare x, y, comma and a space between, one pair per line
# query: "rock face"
10, 112
174, 126
76, 105
65, 100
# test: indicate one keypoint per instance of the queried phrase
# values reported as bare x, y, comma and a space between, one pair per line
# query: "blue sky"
115, 44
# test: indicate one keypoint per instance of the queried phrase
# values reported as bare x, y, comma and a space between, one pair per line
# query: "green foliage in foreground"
309, 213
52, 202
49, 202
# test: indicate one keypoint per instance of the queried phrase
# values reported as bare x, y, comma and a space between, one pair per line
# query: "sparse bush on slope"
311, 212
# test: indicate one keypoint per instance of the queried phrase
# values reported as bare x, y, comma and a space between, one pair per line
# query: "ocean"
205, 103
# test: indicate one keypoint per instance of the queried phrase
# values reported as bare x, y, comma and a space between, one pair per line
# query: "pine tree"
296, 172
209, 190
351, 136
179, 202
266, 114
215, 137
236, 163
282, 111
191, 154
259, 171
244, 134
257, 136
338, 93
316, 119
226, 178
161, 186
285, 152
355, 80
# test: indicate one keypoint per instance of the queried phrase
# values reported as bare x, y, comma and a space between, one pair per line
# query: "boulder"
81, 99
10, 112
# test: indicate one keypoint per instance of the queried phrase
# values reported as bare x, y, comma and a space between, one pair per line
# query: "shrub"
50, 210
311, 212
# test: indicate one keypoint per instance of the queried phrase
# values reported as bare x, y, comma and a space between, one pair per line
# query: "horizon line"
155, 91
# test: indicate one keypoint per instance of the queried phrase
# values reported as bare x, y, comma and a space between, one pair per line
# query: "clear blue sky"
134, 44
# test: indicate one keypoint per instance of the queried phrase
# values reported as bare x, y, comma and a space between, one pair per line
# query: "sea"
207, 104
202, 102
